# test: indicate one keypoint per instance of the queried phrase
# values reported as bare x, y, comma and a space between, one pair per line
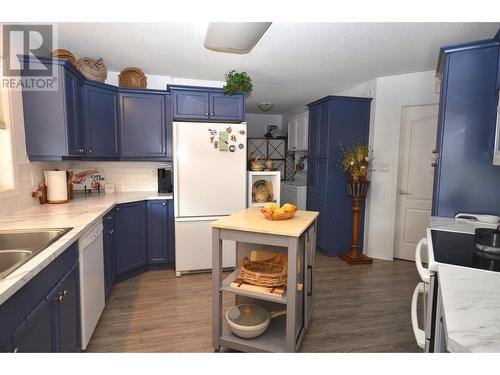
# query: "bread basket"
271, 273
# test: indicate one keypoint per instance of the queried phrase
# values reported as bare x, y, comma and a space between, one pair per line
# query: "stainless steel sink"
19, 246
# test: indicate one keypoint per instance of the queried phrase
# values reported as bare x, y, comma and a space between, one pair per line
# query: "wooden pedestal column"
357, 190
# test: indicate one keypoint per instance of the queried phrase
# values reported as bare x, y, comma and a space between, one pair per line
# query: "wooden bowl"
62, 53
132, 78
269, 215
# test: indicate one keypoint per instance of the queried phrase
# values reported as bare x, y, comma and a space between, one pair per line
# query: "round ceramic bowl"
248, 321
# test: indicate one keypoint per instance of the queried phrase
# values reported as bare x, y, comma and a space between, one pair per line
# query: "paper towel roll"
57, 187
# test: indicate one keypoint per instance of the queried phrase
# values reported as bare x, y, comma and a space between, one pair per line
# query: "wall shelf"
273, 177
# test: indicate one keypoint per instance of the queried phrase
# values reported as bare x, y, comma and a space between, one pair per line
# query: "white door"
208, 181
416, 175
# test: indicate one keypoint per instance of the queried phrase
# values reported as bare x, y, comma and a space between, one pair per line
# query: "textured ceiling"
293, 63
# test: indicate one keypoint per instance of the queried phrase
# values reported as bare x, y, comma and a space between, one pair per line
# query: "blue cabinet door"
100, 121
143, 123
36, 333
53, 119
322, 144
465, 178
160, 231
227, 107
317, 197
131, 236
109, 245
313, 130
190, 105
74, 109
67, 312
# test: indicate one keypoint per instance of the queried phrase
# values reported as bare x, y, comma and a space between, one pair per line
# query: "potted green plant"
237, 83
355, 162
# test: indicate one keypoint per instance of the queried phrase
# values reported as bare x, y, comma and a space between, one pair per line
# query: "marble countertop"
471, 305
79, 214
252, 220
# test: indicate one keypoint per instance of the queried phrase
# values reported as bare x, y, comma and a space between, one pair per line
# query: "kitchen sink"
19, 246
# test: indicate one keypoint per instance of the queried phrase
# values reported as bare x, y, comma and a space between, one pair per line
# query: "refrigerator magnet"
242, 132
212, 139
223, 141
216, 144
241, 146
229, 129
233, 138
232, 148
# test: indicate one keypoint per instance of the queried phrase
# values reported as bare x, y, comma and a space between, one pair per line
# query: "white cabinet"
297, 132
295, 194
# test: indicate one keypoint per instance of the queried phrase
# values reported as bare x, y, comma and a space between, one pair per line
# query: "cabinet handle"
15, 350
109, 217
61, 295
111, 231
309, 268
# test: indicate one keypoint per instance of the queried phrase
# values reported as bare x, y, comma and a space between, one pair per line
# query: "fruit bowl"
273, 212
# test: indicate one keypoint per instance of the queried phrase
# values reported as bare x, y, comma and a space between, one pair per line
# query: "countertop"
471, 305
252, 220
79, 214
451, 224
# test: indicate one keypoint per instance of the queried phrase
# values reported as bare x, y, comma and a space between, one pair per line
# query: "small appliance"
164, 180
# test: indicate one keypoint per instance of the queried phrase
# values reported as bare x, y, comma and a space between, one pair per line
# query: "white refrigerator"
209, 183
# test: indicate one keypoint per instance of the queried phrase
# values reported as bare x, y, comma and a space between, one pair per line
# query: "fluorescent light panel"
234, 37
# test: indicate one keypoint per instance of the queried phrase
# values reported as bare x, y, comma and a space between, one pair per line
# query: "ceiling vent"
234, 37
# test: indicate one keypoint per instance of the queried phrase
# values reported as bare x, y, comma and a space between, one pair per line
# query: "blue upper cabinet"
100, 104
144, 124
206, 104
53, 119
465, 179
190, 105
227, 107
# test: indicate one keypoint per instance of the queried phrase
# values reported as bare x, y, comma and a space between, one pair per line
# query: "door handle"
402, 192
435, 158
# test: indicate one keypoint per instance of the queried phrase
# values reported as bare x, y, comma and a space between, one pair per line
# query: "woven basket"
269, 215
93, 69
264, 273
132, 78
64, 54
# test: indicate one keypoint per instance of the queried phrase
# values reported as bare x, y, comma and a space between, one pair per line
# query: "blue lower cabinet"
36, 334
131, 236
44, 315
109, 246
160, 231
66, 307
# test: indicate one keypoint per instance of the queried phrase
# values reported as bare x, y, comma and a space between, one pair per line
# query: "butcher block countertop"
252, 220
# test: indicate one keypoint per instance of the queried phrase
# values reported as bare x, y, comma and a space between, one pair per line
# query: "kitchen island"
251, 231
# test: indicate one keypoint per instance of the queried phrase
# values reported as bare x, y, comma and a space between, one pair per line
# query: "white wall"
390, 95
160, 82
257, 123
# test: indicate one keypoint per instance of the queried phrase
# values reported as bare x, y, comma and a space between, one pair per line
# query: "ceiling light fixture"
265, 106
234, 37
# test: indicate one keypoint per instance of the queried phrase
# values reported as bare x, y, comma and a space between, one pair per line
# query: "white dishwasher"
91, 281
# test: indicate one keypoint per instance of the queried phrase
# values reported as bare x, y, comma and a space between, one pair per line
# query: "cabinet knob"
163, 204
15, 350
211, 114
206, 113
117, 208
109, 217
163, 151
111, 231
433, 165
90, 151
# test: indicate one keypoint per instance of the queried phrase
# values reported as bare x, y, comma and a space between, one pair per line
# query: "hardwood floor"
364, 308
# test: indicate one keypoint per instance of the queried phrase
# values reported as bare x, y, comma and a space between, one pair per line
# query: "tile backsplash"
127, 176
